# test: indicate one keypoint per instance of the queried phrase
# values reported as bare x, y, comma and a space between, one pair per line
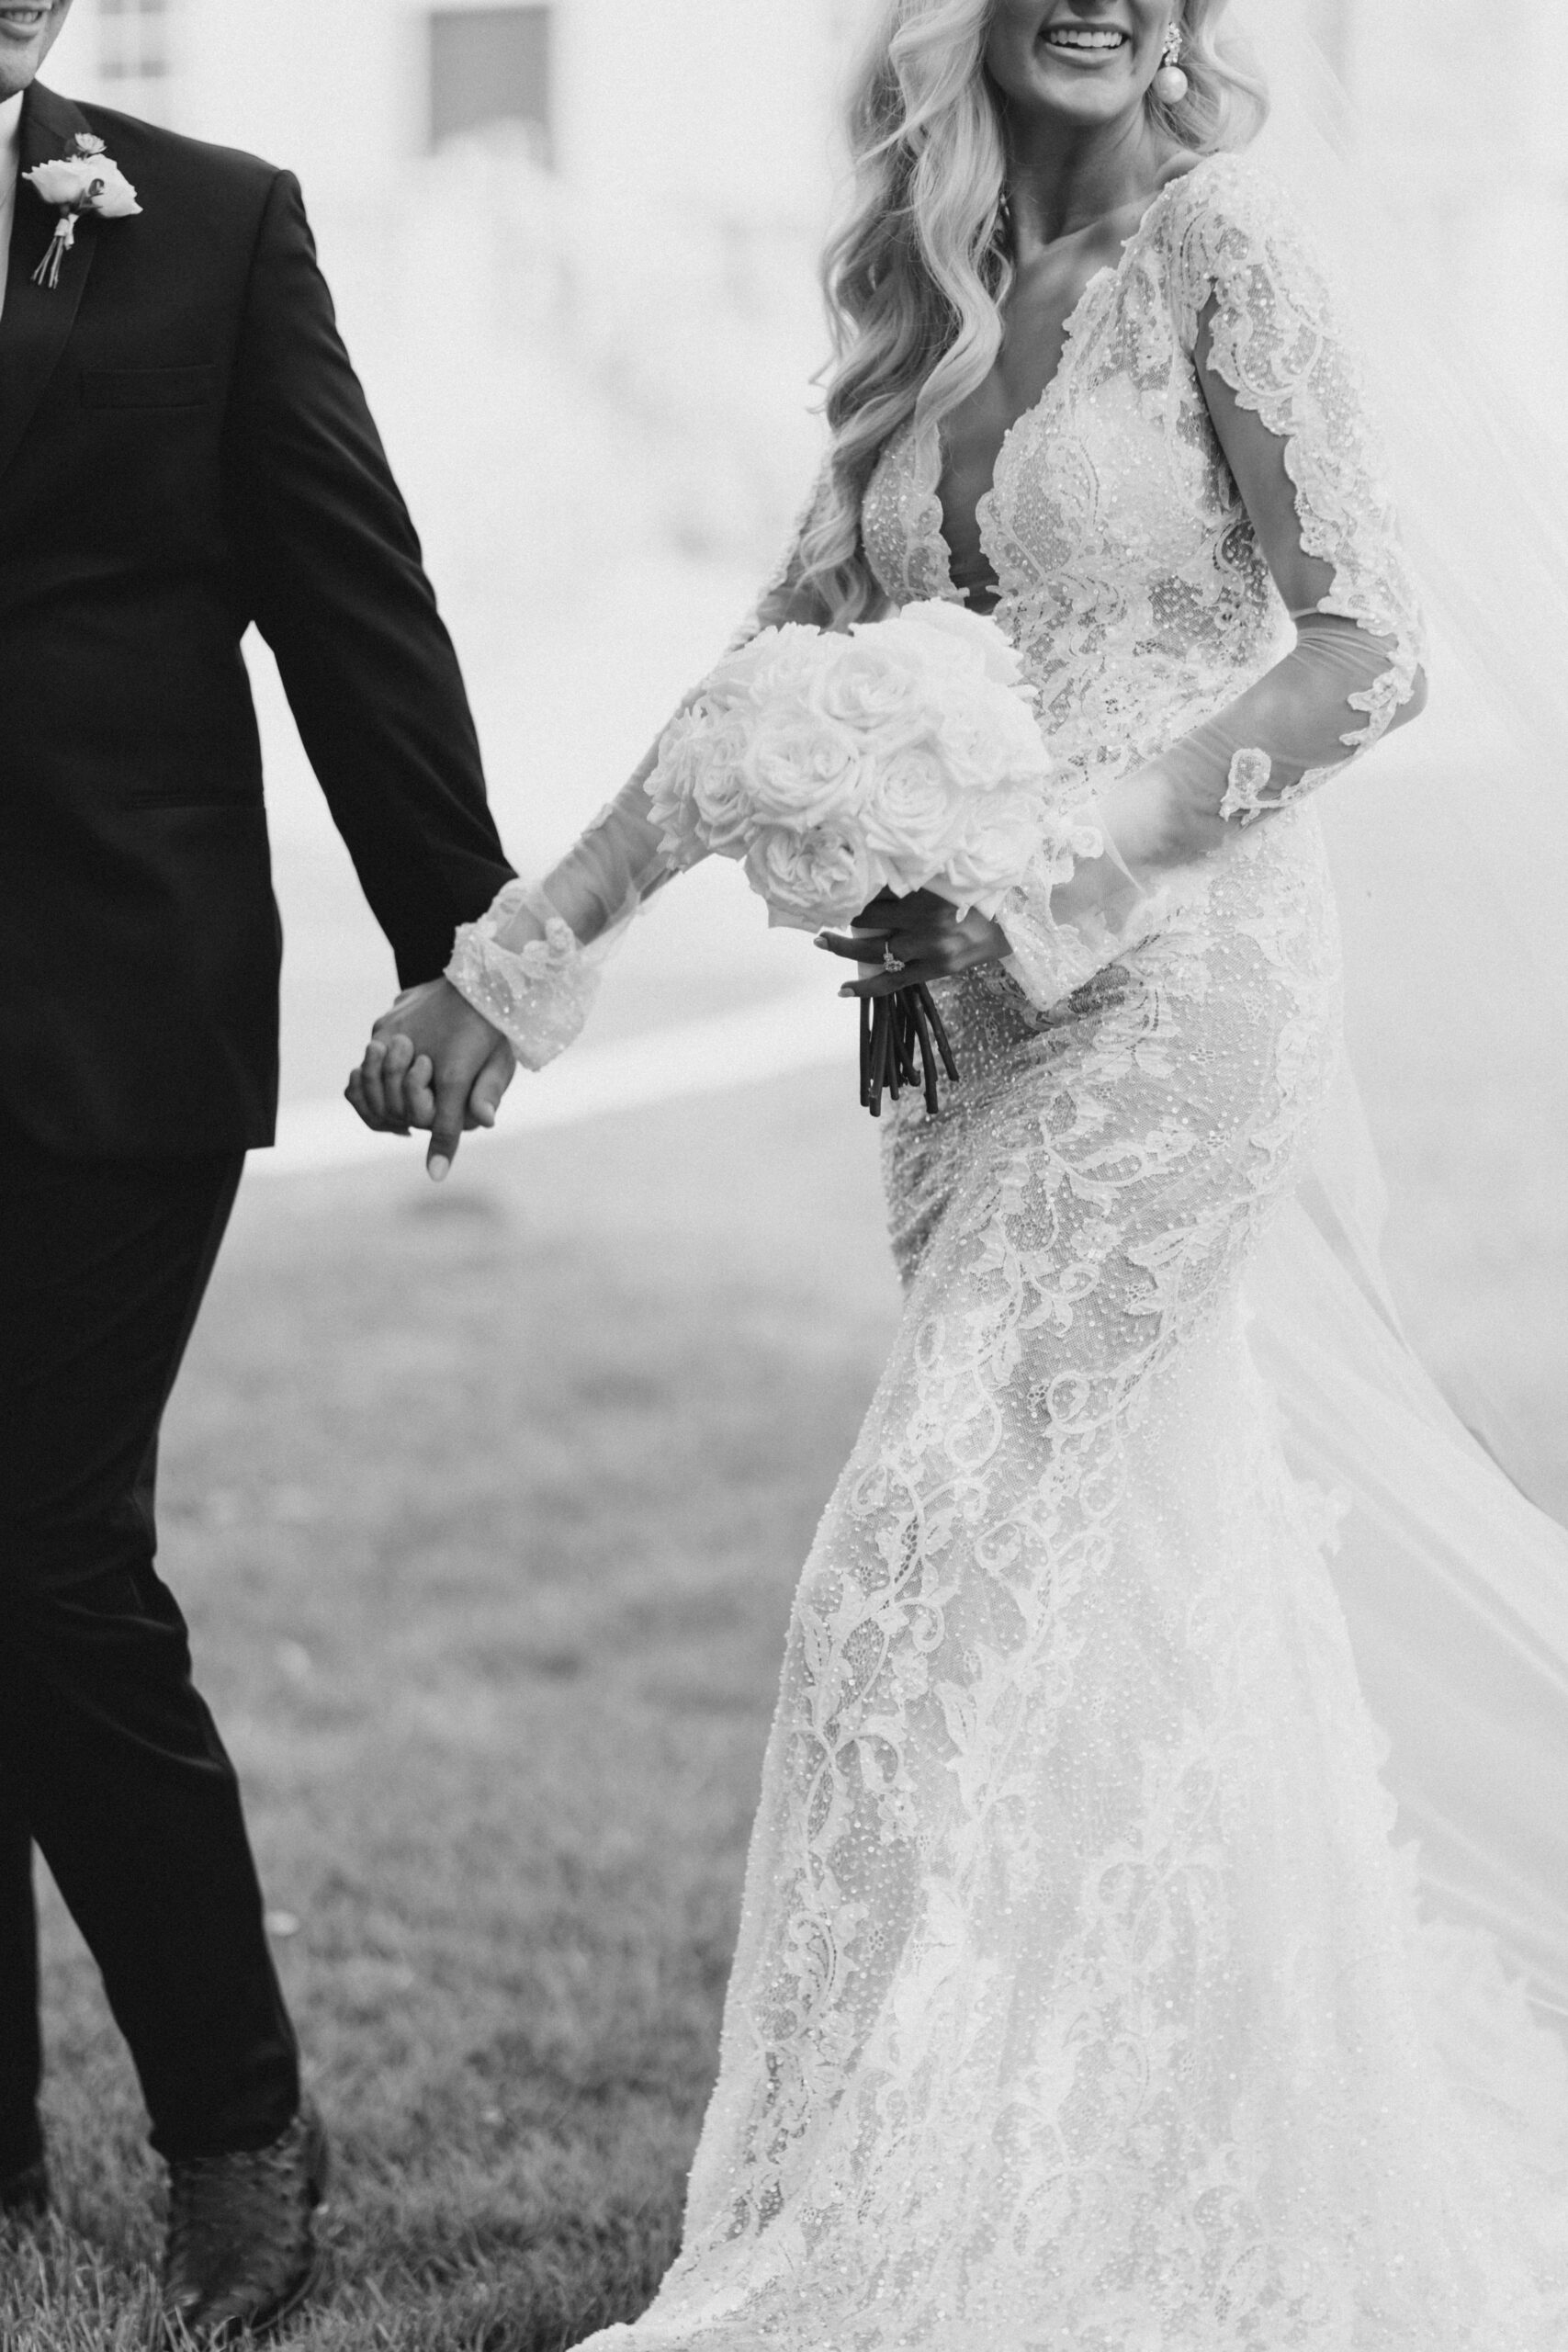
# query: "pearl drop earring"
1171, 84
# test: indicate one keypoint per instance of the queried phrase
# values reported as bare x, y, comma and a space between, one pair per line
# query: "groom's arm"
338, 590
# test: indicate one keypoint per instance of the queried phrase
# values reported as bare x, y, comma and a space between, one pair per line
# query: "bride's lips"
1082, 42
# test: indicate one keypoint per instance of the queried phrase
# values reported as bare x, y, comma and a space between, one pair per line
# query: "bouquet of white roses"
902, 755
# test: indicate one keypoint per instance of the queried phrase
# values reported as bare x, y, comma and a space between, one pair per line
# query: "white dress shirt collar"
10, 163
11, 136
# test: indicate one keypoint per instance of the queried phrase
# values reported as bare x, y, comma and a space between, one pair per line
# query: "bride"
1082, 1998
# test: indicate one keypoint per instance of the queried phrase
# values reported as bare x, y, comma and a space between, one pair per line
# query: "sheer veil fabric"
1454, 1585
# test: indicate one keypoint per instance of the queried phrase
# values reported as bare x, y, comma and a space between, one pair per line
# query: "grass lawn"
485, 1505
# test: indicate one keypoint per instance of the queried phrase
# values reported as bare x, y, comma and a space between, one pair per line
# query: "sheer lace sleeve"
1284, 389
782, 597
532, 963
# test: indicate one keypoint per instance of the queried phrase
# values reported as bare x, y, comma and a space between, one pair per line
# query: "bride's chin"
1069, 89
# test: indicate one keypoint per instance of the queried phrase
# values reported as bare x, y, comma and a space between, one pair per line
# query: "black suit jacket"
184, 449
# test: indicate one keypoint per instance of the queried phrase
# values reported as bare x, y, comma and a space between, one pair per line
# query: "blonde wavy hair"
916, 274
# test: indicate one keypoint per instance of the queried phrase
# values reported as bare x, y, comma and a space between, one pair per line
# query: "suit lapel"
37, 320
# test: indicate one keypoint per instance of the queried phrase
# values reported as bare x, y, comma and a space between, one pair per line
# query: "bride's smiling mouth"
1083, 43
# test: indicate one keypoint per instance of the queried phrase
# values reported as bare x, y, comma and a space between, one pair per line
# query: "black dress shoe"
241, 2252
24, 2196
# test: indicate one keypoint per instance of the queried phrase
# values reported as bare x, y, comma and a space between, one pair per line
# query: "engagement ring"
891, 963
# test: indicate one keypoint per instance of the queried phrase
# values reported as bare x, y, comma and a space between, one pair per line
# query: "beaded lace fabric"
539, 993
1082, 1999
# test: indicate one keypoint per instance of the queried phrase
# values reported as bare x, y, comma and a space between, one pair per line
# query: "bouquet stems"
901, 1040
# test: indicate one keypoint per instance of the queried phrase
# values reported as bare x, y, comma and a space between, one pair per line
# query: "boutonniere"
88, 181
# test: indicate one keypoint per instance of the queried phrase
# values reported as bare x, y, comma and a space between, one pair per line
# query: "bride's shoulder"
1229, 225
1230, 190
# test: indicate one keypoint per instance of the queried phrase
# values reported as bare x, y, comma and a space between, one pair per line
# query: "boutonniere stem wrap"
87, 181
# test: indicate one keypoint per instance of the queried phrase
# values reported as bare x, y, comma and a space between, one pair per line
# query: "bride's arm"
531, 964
1284, 394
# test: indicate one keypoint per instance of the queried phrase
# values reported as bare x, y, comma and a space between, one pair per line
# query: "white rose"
697, 792
780, 665
810, 878
802, 769
115, 199
87, 184
991, 858
909, 814
721, 791
989, 737
63, 183
975, 633
863, 683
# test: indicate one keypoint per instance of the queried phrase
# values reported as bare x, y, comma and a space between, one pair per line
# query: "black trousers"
109, 1760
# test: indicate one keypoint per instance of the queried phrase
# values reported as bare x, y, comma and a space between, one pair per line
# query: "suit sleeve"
339, 590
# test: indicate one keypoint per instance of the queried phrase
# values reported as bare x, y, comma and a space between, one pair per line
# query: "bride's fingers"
860, 946
929, 942
940, 933
491, 1083
926, 961
908, 976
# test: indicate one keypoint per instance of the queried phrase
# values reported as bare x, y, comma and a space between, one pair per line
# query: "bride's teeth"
1070, 37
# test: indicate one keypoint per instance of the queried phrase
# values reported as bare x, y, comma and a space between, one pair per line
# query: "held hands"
432, 1062
925, 936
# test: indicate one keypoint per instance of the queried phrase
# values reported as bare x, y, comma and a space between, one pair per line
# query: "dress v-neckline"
1104, 281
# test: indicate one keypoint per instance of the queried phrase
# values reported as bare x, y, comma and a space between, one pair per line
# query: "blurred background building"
643, 185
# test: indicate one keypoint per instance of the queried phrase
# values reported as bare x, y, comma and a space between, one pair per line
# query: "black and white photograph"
784, 1175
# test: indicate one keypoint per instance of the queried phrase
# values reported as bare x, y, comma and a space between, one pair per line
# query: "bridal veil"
1452, 856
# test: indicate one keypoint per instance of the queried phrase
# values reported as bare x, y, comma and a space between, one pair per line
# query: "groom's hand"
432, 1062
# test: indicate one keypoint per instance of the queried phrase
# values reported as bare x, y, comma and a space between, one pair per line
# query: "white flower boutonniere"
87, 181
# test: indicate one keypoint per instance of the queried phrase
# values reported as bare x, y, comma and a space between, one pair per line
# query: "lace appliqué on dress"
539, 995
901, 523
1248, 783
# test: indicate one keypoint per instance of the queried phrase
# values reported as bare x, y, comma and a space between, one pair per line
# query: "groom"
184, 449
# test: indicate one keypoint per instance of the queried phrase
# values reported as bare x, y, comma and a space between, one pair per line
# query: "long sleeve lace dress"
1081, 1997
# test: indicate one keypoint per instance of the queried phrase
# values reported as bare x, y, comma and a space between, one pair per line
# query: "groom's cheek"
24, 45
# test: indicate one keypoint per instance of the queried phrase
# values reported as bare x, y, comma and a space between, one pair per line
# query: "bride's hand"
925, 935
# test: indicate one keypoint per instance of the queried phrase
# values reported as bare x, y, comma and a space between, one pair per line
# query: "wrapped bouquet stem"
901, 1036
841, 768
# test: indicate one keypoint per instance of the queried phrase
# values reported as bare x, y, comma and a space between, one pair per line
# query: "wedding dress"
1084, 1996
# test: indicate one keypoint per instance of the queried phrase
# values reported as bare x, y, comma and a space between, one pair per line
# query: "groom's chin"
27, 36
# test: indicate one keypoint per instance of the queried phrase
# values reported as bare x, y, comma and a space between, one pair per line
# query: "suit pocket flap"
149, 386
